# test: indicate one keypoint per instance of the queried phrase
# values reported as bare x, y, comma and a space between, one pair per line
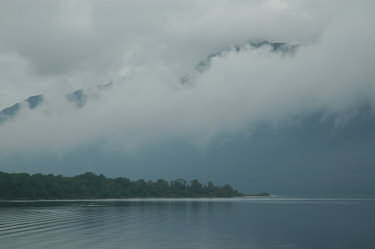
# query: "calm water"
204, 223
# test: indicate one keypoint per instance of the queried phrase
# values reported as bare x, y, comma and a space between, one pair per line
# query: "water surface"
189, 223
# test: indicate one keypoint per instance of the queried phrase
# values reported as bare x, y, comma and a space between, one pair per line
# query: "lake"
250, 222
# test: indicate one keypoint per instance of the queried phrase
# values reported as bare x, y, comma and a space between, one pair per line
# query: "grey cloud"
53, 35
145, 48
60, 37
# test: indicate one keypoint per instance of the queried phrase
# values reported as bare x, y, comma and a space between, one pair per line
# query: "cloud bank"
144, 48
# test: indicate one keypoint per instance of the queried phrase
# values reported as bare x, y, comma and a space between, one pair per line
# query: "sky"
144, 48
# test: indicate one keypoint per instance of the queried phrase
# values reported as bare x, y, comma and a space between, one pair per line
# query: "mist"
145, 48
140, 66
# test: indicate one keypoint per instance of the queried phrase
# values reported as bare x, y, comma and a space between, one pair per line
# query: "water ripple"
188, 224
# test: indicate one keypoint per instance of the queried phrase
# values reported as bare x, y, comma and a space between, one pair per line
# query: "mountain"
315, 153
204, 65
9, 112
78, 98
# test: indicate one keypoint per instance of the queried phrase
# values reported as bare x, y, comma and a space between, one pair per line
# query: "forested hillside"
90, 185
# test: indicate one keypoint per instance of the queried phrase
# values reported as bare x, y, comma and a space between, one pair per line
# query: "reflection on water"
186, 223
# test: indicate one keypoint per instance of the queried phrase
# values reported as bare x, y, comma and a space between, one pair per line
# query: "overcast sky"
52, 47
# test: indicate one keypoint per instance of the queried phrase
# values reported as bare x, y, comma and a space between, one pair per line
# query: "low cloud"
145, 48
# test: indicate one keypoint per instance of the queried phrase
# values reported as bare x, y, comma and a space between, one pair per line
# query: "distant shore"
23, 186
259, 194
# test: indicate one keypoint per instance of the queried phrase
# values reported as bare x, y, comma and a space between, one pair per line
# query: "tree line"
92, 186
